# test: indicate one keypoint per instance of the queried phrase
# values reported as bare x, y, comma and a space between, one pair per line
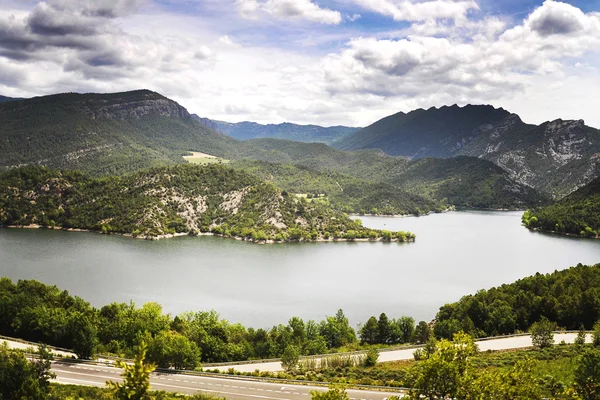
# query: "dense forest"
577, 214
569, 298
179, 199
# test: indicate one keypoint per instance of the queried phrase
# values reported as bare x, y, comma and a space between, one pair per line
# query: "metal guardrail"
240, 377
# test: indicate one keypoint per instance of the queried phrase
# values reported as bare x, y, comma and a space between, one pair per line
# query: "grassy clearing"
312, 197
204, 159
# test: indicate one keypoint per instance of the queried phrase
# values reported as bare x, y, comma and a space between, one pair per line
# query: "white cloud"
417, 10
544, 67
354, 17
303, 9
488, 64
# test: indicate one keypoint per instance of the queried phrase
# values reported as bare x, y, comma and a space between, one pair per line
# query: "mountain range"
555, 157
301, 133
123, 133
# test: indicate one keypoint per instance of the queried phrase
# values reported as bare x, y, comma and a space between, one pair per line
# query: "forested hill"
569, 298
459, 181
103, 133
577, 214
556, 157
180, 199
301, 133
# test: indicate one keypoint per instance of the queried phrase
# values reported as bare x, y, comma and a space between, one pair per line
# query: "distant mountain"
556, 157
4, 99
576, 214
103, 133
299, 133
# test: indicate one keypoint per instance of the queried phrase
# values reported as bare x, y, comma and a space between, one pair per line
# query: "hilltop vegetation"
569, 298
169, 200
103, 134
577, 214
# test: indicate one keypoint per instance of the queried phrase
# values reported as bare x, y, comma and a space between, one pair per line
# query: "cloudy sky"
327, 62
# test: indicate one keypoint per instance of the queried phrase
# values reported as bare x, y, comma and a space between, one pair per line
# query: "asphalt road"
232, 389
503, 343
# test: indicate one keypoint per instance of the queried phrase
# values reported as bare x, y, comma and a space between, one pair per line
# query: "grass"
204, 159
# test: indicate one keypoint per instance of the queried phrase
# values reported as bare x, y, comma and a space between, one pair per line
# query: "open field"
204, 159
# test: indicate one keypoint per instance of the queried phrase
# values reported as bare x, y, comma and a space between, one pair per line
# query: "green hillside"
185, 199
103, 133
459, 181
577, 214
342, 191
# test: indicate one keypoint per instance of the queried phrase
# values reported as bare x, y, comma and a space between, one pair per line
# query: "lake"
456, 253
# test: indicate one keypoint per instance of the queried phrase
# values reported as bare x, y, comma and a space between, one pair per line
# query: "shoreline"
181, 234
567, 234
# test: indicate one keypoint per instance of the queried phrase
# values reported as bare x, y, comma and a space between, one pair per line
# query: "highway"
500, 343
231, 388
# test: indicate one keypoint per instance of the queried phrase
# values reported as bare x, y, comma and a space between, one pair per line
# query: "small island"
171, 201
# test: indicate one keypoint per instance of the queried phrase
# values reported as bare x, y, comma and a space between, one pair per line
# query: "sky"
325, 62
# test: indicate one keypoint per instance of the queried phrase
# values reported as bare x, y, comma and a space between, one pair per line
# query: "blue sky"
327, 62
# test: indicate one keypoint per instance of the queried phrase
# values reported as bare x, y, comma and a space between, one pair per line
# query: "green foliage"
542, 334
136, 378
440, 375
422, 332
171, 349
569, 298
587, 375
334, 393
22, 379
596, 334
581, 336
290, 357
371, 358
576, 214
181, 199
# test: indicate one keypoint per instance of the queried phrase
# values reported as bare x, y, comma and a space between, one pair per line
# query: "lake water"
455, 254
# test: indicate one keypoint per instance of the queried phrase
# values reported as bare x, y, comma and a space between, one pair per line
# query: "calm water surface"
260, 285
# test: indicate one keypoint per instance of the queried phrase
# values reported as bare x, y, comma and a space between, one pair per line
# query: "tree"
334, 393
21, 379
439, 375
596, 334
369, 332
581, 335
371, 357
170, 349
290, 358
84, 336
136, 378
383, 329
587, 375
542, 333
422, 332
407, 329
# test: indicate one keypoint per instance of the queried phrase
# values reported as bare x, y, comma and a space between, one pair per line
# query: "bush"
542, 335
371, 358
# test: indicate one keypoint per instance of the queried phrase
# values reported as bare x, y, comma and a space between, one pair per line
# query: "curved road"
502, 343
231, 388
